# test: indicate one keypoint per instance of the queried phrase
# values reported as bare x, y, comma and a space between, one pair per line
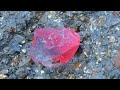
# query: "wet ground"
100, 40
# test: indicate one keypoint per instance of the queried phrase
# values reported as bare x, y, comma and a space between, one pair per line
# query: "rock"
37, 70
91, 64
39, 77
21, 73
28, 70
1, 53
29, 77
24, 50
14, 47
19, 70
112, 38
4, 71
42, 72
98, 76
107, 64
6, 49
12, 76
1, 35
81, 72
24, 62
18, 38
4, 61
114, 74
84, 19
2, 76
23, 42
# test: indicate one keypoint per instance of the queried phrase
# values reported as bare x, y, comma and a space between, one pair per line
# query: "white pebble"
99, 59
24, 50
42, 71
20, 45
49, 16
23, 41
97, 62
117, 28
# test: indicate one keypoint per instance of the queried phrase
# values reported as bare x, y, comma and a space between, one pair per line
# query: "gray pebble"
114, 74
98, 76
24, 62
18, 38
19, 70
15, 47
12, 76
4, 71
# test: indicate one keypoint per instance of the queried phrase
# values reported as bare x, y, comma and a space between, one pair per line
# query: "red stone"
54, 46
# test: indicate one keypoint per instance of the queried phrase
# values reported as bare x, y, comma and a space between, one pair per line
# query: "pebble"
98, 76
108, 65
112, 38
4, 71
24, 62
5, 61
6, 49
23, 42
28, 68
24, 50
18, 38
39, 77
36, 70
12, 76
114, 73
1, 36
2, 76
42, 72
15, 47
29, 77
19, 71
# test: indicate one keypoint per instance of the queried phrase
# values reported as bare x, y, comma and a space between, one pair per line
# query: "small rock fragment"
12, 76
84, 19
98, 76
4, 71
14, 47
18, 38
1, 36
42, 72
2, 76
23, 42
112, 38
71, 76
76, 65
24, 50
